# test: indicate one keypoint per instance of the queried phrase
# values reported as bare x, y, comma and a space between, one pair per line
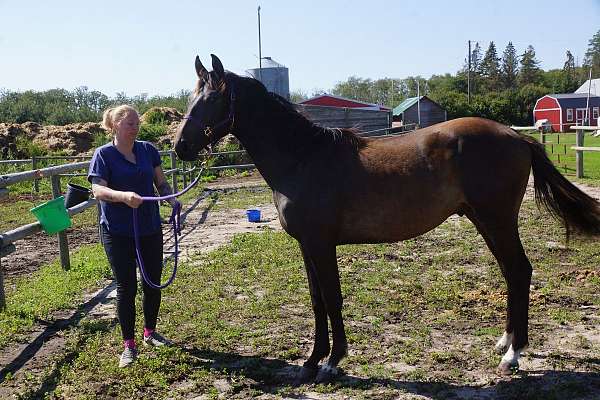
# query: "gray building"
419, 110
274, 76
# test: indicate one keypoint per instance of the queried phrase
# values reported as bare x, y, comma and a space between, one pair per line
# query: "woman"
121, 172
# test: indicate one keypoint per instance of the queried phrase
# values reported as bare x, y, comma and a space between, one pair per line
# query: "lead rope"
175, 220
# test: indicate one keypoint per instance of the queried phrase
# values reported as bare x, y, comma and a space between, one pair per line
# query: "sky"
149, 46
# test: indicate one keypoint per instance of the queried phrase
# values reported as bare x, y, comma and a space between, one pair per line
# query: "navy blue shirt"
121, 174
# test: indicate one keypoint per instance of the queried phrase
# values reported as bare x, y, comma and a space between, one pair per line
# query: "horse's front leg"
329, 282
321, 344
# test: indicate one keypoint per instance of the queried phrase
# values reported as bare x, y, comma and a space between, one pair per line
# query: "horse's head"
210, 114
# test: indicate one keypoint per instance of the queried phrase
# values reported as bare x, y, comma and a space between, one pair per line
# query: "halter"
209, 131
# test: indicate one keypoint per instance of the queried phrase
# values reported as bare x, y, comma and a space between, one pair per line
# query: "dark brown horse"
333, 187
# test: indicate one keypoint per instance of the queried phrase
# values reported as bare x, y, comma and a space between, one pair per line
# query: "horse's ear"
218, 67
200, 70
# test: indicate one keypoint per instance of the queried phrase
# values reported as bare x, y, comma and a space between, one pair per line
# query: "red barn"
566, 109
336, 101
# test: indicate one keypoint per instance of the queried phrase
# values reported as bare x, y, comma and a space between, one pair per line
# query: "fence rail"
8, 238
579, 143
54, 173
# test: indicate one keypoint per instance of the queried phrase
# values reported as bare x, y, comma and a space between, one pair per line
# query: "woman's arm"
163, 187
102, 192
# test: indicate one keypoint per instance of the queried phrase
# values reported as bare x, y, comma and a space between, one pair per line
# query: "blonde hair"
114, 114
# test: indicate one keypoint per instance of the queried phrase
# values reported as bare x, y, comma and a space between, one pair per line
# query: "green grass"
426, 311
243, 198
37, 296
555, 146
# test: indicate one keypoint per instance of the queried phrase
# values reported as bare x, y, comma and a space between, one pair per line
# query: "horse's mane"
302, 127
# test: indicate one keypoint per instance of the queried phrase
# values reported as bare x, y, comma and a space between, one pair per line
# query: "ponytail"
111, 116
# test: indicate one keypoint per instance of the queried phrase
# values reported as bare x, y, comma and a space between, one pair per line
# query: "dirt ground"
204, 230
38, 250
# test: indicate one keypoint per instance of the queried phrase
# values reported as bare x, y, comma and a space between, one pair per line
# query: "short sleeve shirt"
121, 174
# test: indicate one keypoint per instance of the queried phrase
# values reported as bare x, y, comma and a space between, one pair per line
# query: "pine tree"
592, 55
475, 65
530, 71
569, 83
510, 67
490, 68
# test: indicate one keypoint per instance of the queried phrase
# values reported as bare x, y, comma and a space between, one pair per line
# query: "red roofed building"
566, 109
330, 100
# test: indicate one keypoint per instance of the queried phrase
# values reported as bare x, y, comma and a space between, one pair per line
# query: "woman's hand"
132, 199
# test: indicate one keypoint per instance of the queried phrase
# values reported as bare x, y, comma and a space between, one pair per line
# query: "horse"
333, 187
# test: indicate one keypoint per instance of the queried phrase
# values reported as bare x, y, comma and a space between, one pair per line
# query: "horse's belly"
391, 229
395, 220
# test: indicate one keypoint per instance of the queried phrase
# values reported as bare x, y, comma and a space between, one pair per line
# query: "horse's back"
410, 184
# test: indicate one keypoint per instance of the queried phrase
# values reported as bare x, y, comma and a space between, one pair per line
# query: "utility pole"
259, 49
587, 105
418, 104
469, 77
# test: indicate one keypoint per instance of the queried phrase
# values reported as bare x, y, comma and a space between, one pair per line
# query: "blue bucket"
253, 215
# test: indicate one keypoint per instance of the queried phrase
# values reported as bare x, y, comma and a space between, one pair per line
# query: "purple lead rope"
175, 220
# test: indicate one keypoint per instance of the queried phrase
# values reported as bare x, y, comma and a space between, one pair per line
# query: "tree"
490, 68
530, 71
475, 72
354, 88
569, 81
509, 68
297, 96
592, 55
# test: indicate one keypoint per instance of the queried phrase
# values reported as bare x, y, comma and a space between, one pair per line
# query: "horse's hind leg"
502, 237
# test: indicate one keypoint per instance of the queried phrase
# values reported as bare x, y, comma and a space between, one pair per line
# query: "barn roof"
343, 102
594, 89
568, 95
406, 104
575, 100
411, 101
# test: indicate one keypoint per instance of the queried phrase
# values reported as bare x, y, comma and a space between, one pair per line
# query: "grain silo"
274, 76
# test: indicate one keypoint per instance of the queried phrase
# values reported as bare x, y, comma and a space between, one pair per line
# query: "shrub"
152, 132
155, 116
27, 148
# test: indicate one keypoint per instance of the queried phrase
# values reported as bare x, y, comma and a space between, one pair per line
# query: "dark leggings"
120, 251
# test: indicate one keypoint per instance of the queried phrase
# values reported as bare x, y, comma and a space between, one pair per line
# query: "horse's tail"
559, 196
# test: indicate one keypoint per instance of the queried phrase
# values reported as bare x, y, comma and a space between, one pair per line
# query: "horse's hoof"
507, 369
500, 348
327, 374
306, 374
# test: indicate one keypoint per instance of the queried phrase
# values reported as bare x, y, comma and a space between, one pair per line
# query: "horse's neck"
275, 163
271, 143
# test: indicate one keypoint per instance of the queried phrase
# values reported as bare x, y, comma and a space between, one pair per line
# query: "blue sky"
149, 46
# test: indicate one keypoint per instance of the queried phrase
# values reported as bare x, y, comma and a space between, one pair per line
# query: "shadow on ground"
274, 376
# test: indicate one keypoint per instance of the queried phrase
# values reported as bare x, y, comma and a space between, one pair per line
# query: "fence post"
63, 243
36, 183
184, 174
579, 153
174, 168
542, 137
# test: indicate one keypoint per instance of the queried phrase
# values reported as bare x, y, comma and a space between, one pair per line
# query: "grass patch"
243, 198
50, 289
558, 147
425, 311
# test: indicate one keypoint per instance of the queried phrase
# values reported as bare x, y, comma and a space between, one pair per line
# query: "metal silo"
274, 76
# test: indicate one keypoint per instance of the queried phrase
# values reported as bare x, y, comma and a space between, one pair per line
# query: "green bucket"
53, 215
